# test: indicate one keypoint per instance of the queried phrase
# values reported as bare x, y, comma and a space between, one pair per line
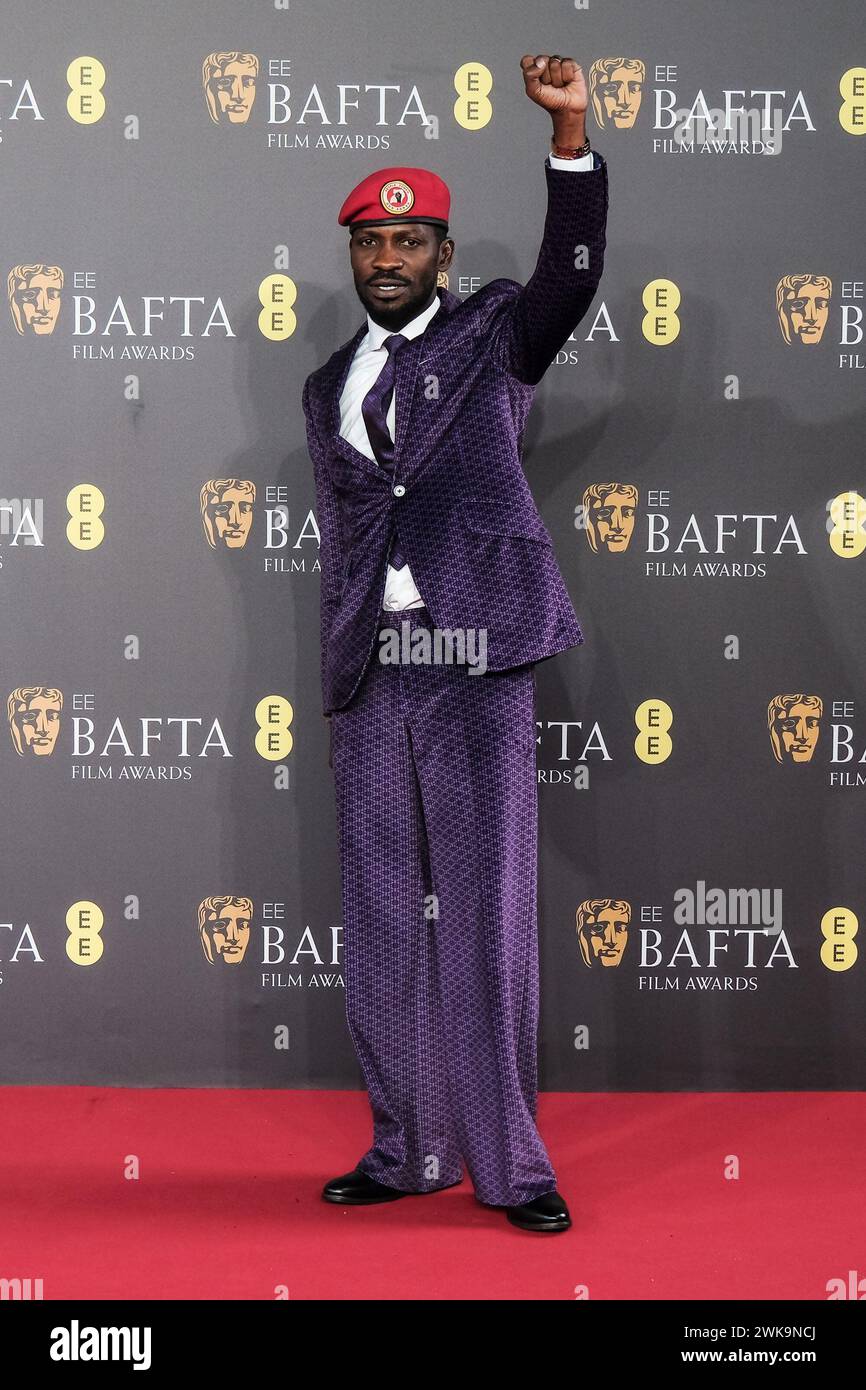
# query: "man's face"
402, 255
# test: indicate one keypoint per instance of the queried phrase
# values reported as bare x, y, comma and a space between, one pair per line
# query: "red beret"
397, 194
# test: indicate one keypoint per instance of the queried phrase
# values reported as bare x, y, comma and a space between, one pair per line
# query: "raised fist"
556, 83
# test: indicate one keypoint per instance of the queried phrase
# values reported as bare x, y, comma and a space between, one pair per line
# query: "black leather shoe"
545, 1213
359, 1189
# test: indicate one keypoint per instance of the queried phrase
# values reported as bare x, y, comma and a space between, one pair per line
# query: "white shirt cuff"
586, 161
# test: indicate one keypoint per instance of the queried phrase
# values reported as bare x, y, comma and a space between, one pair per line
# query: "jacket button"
398, 489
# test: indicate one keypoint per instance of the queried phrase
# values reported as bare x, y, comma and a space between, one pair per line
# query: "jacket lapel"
338, 370
407, 360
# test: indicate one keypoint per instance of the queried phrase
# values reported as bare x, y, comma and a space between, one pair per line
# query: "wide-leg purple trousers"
437, 808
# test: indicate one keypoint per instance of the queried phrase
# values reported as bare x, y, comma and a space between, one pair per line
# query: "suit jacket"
469, 529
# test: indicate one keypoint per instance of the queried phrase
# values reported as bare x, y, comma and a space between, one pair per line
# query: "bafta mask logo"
229, 81
602, 930
803, 306
609, 509
227, 512
615, 90
794, 722
224, 928
34, 297
34, 719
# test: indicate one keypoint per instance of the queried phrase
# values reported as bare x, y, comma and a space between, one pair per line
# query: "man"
428, 526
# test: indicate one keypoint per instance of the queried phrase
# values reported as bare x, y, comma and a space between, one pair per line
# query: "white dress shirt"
369, 359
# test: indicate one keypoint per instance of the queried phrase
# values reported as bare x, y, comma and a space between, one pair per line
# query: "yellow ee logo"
473, 108
277, 294
86, 78
274, 714
838, 928
847, 534
85, 504
852, 112
84, 922
660, 325
653, 719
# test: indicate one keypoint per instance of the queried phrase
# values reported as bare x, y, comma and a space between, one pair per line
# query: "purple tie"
374, 409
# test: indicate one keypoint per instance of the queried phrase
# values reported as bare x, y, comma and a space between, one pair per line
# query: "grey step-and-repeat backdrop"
171, 178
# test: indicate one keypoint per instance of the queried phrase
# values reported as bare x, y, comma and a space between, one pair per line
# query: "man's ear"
446, 253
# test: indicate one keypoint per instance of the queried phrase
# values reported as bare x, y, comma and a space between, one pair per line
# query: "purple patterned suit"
435, 766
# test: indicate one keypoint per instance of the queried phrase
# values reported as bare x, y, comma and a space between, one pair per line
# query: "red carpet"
227, 1203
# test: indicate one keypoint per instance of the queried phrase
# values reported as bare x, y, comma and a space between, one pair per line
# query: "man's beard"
402, 310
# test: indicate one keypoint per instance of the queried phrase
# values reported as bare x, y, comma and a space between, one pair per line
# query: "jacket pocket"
489, 516
348, 566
